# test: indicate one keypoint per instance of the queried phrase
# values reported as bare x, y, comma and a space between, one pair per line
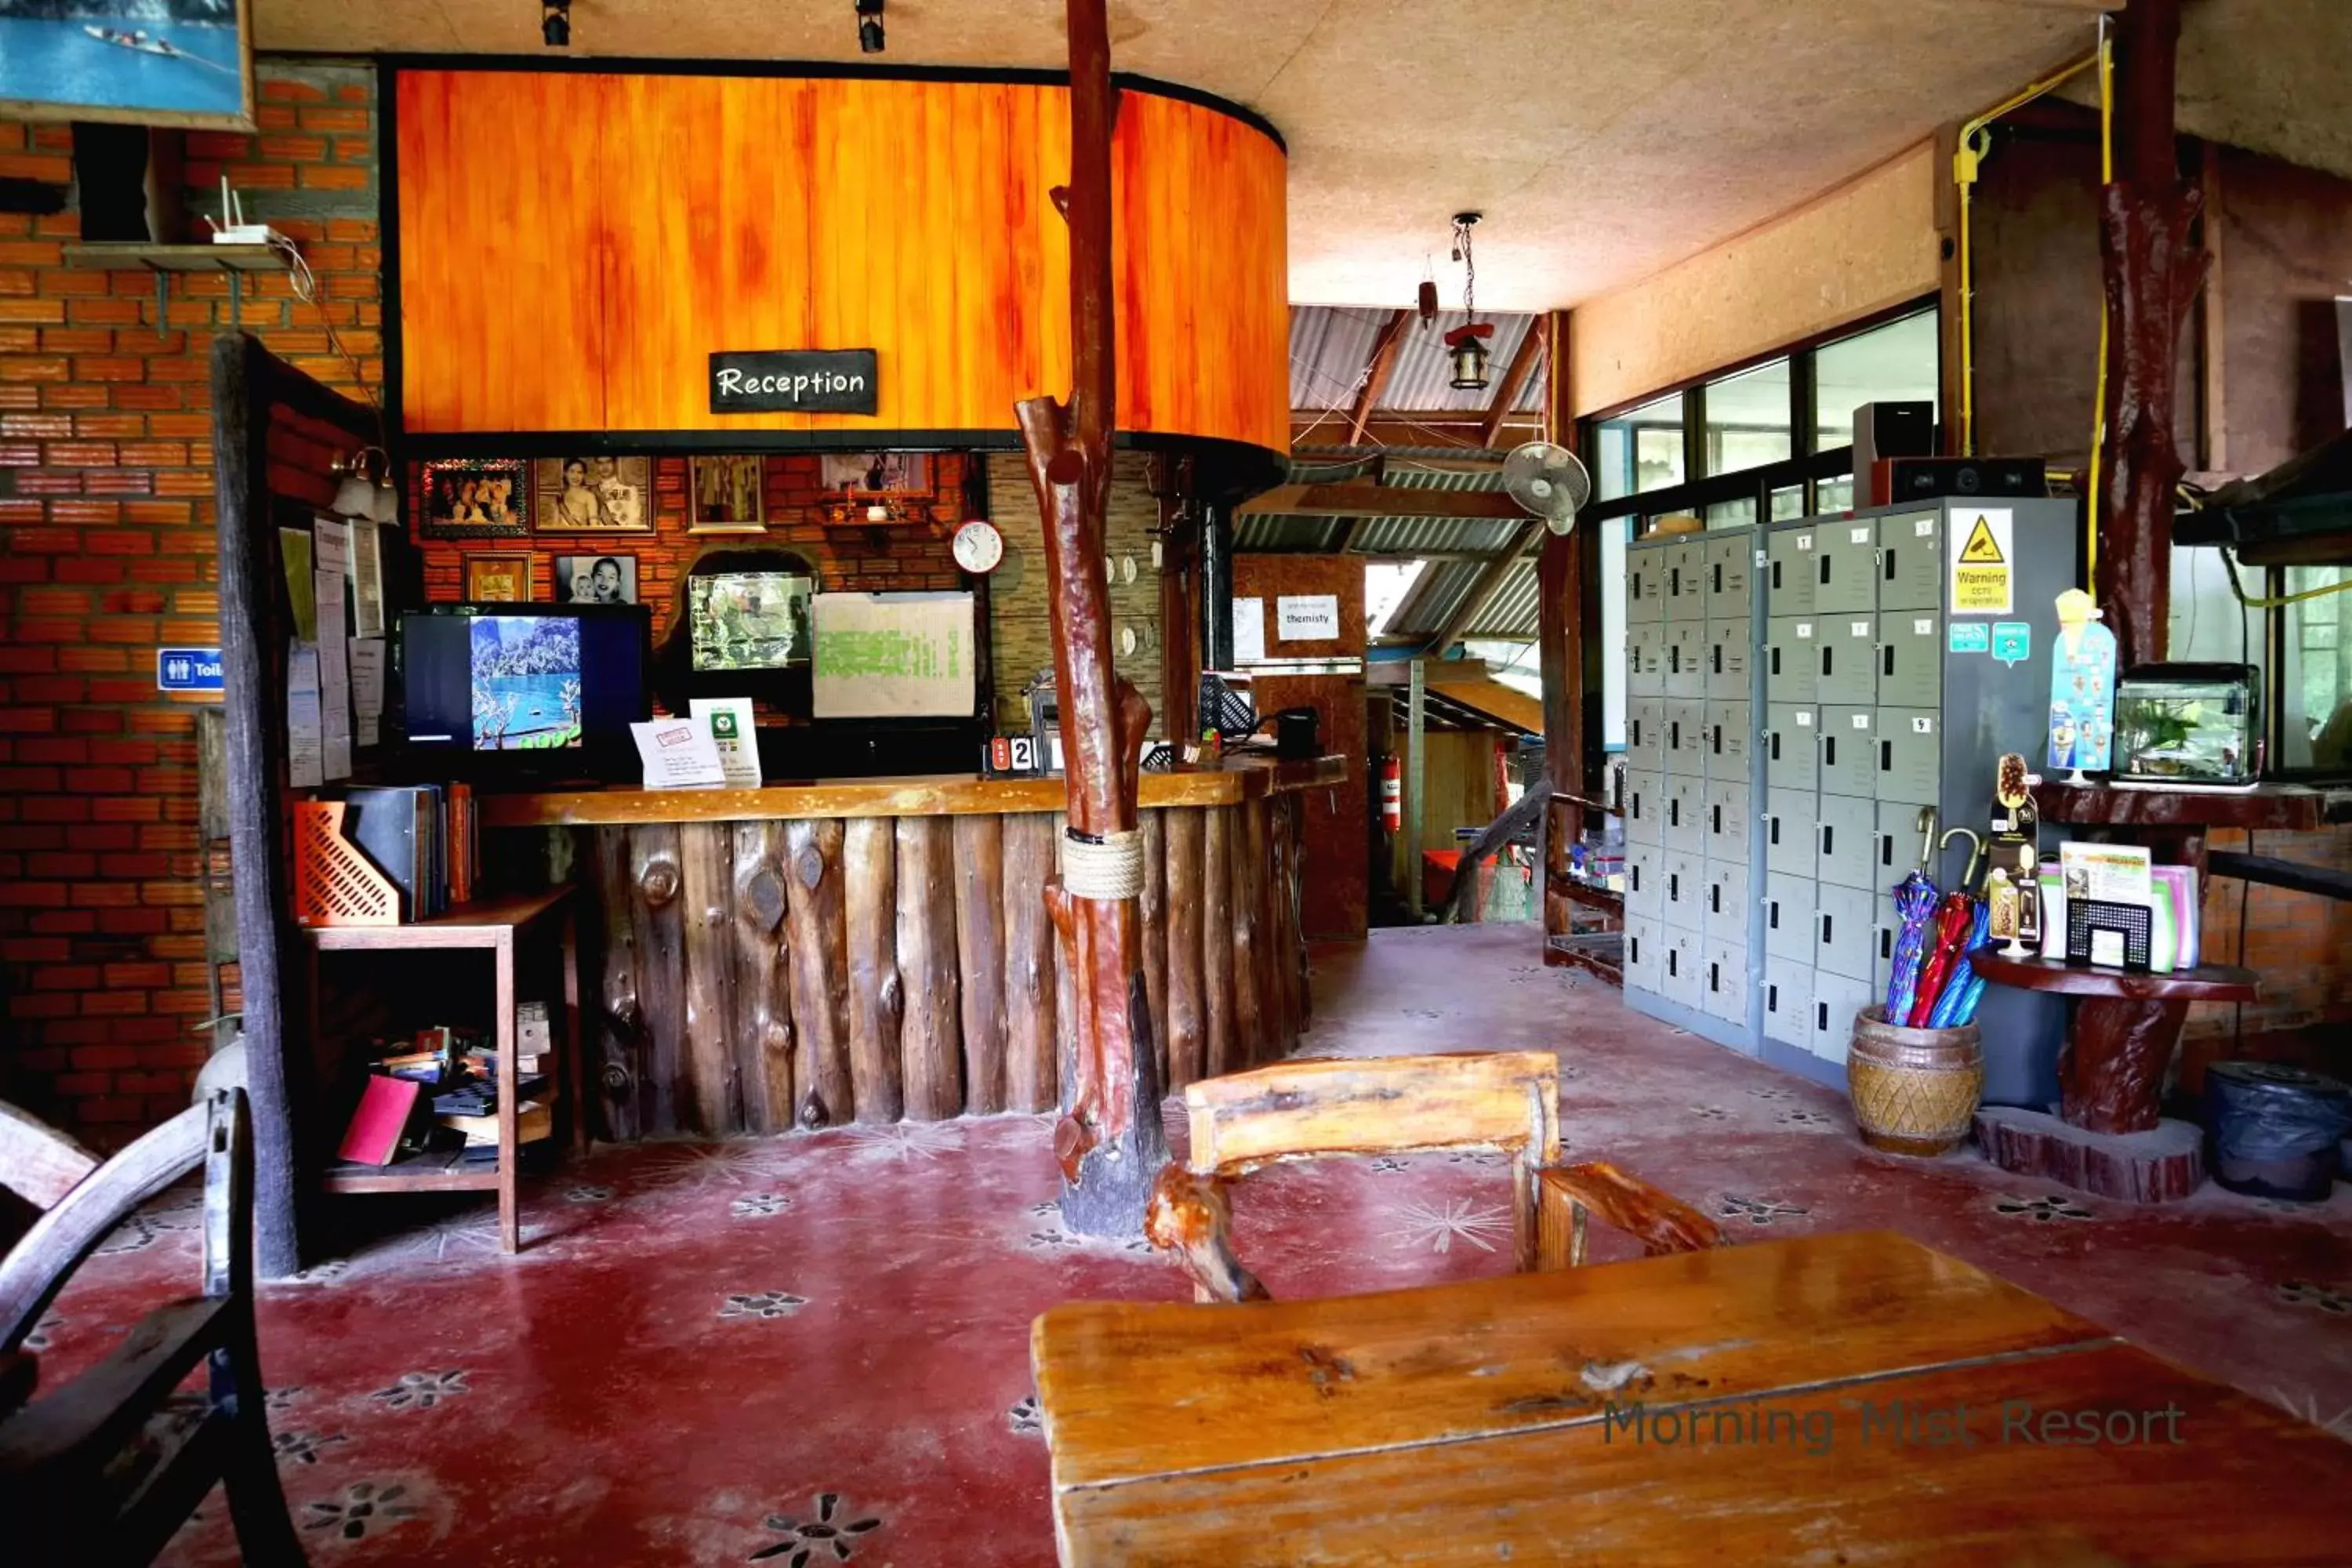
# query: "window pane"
1641, 449
1612, 460
1731, 513
1893, 363
2315, 730
1748, 419
1833, 495
1788, 501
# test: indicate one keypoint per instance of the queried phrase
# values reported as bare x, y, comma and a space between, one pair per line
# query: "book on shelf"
377, 1126
534, 1120
426, 837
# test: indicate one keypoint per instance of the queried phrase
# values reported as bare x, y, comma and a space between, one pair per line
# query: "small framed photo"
727, 495
498, 578
596, 579
877, 473
477, 498
595, 495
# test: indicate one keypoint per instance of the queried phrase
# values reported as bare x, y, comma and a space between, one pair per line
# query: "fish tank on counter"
2189, 726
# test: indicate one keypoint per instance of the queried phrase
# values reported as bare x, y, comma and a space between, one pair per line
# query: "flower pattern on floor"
1436, 1226
1757, 1211
759, 1206
803, 1540
421, 1390
761, 1304
302, 1448
2042, 1210
361, 1507
1025, 1419
2303, 1293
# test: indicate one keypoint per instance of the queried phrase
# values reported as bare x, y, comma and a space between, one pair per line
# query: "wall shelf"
163, 260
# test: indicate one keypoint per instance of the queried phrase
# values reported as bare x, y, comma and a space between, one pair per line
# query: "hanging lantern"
1467, 349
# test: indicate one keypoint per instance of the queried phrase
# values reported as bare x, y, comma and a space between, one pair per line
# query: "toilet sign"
187, 670
1984, 555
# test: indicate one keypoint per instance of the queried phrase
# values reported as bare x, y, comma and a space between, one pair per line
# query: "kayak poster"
149, 62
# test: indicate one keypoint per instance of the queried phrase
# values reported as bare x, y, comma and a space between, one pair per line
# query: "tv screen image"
526, 680
748, 620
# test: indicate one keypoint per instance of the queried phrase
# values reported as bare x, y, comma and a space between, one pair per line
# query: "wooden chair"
105, 1468
1660, 1221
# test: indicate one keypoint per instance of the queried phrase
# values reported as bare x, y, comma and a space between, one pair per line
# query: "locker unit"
1645, 881
1838, 689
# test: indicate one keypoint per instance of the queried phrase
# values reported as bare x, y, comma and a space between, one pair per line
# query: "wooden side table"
495, 925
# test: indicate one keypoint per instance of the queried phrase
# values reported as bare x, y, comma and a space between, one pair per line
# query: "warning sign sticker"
1984, 556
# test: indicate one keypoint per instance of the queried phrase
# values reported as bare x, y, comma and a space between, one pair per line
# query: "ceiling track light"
869, 26
555, 23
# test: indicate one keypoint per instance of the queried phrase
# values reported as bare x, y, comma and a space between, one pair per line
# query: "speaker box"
131, 182
1882, 430
1894, 481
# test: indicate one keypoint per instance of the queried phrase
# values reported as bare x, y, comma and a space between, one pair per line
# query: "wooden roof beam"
1378, 367
1379, 501
1507, 392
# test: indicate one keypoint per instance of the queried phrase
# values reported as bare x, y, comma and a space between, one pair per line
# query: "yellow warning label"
1982, 549
1979, 590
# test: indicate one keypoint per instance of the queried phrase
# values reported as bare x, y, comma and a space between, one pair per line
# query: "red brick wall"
106, 553
2300, 944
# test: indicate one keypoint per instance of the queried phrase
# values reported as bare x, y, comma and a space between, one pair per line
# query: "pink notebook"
374, 1136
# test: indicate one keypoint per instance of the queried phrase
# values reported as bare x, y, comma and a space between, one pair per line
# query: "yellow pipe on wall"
2099, 395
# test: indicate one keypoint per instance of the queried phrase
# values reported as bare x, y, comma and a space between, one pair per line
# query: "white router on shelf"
232, 230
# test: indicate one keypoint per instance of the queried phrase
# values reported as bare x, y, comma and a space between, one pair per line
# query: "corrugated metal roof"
1511, 613
1435, 595
1273, 533
1421, 535
1331, 344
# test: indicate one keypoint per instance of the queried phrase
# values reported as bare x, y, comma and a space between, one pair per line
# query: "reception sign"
793, 381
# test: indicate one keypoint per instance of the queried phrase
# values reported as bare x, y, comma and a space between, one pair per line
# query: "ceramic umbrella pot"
1914, 1091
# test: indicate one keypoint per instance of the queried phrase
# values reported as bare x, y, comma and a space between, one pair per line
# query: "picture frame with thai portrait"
474, 498
599, 494
498, 577
725, 494
876, 473
596, 579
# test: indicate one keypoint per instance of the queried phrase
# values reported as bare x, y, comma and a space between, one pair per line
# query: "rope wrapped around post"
1107, 869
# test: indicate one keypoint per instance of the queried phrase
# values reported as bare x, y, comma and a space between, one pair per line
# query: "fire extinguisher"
1391, 795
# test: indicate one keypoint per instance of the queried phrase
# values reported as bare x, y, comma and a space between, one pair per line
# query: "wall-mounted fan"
1549, 482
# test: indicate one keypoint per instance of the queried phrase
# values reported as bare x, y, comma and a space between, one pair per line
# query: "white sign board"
1307, 617
1249, 631
892, 655
679, 753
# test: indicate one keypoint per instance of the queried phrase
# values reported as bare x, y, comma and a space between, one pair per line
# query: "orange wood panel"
501, 198
910, 217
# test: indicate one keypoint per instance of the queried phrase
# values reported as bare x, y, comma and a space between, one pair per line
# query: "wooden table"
1854, 1398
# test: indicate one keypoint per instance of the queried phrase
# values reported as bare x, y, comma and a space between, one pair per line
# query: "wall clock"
978, 546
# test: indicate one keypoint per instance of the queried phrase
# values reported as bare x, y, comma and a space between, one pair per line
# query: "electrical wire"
305, 284
2228, 560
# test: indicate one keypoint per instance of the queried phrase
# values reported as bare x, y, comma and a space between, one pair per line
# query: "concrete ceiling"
1604, 139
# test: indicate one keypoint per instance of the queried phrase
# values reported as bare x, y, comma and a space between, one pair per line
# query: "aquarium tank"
2188, 725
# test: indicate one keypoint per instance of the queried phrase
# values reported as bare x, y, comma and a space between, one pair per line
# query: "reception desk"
805, 954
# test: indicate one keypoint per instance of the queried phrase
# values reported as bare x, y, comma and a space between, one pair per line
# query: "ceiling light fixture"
555, 23
1464, 342
870, 26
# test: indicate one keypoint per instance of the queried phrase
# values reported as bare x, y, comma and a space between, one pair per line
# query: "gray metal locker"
1685, 814
1849, 761
1728, 656
1849, 657
1645, 806
1789, 572
1645, 597
1686, 739
1788, 905
1728, 819
1842, 932
1791, 751
1678, 978
1686, 581
1911, 754
1910, 659
1683, 901
1845, 569
1645, 881
1844, 839
1723, 979
1645, 734
1728, 727
1836, 999
1792, 659
1645, 658
1911, 561
1685, 655
1895, 846
1726, 575
1727, 901
1788, 1001
1641, 954
1789, 830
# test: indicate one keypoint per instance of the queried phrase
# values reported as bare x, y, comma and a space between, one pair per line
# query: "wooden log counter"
808, 955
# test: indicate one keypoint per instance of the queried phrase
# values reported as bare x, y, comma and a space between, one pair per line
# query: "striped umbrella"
1915, 903
1955, 918
1958, 1004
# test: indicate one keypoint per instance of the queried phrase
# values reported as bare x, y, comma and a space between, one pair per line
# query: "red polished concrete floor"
814, 1348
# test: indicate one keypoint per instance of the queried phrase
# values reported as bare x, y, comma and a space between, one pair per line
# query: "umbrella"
1955, 918
1958, 1004
1915, 901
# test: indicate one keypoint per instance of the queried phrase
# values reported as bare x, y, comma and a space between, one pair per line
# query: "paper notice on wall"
365, 656
367, 580
679, 753
334, 675
1249, 631
1307, 617
889, 656
304, 741
331, 545
294, 554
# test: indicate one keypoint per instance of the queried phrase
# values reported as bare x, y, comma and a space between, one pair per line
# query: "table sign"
793, 381
679, 753
731, 732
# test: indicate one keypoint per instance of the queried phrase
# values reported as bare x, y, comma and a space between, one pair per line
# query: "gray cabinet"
1645, 806
1727, 654
1727, 819
1789, 572
1836, 999
1684, 895
1645, 596
1791, 757
1911, 561
1686, 740
1788, 905
1844, 839
1792, 659
1788, 1001
1685, 579
1789, 830
1842, 931
1727, 727
1726, 901
1645, 734
1641, 951
1894, 849
1726, 575
1723, 979
1910, 659
1845, 568
1678, 980
1910, 754
1685, 655
1849, 764
1645, 658
1645, 881
1686, 813
1847, 663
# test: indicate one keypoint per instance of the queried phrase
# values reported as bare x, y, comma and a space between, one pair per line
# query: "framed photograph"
495, 578
595, 495
878, 473
596, 579
477, 498
727, 495
189, 63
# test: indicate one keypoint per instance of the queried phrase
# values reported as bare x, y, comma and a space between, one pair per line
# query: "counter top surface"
938, 795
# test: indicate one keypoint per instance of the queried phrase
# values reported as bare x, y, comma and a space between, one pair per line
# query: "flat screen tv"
546, 689
143, 62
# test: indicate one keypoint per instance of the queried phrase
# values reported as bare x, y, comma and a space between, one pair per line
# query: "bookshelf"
498, 926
